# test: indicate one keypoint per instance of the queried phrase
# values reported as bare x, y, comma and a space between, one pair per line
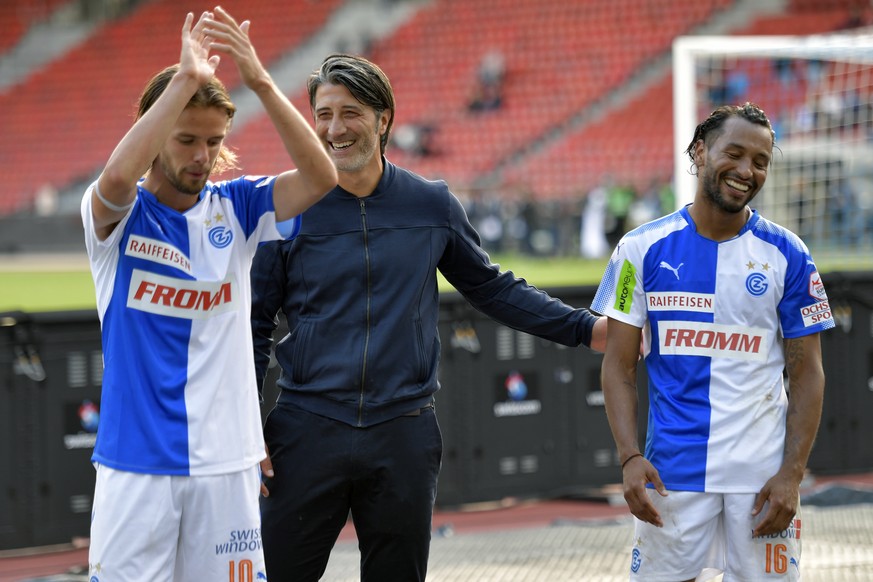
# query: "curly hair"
713, 126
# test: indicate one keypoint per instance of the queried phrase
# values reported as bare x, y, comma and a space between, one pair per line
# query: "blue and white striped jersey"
714, 315
174, 299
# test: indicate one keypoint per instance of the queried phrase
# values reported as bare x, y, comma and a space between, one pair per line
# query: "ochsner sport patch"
627, 280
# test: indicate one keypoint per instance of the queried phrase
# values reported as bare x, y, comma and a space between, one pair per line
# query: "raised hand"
233, 39
195, 59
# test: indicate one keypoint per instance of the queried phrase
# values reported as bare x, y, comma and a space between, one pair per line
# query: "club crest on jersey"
636, 560
757, 284
220, 236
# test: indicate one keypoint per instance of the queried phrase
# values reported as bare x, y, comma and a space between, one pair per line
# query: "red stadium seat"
562, 58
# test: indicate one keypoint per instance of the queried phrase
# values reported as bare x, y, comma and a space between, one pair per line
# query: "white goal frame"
686, 49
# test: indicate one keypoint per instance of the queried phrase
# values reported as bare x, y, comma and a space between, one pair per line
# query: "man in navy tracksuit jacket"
354, 429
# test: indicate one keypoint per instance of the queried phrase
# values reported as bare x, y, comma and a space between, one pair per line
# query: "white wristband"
108, 204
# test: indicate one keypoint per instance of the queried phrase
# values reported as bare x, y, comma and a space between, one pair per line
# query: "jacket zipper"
367, 318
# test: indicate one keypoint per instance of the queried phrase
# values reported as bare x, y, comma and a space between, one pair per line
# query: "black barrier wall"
523, 417
52, 374
503, 411
844, 443
520, 416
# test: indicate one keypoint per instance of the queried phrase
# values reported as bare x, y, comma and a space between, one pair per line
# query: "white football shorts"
163, 528
707, 534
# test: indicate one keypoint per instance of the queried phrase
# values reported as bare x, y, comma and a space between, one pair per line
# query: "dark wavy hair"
712, 127
212, 94
365, 81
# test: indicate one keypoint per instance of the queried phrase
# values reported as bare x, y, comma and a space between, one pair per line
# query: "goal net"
818, 93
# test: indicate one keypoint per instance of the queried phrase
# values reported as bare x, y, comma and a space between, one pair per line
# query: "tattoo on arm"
793, 355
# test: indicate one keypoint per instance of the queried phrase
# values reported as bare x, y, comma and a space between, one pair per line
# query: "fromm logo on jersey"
179, 297
694, 338
627, 280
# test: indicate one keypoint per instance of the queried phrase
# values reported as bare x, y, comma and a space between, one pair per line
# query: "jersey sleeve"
804, 308
621, 294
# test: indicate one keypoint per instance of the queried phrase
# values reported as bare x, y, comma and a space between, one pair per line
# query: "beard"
712, 190
177, 181
364, 150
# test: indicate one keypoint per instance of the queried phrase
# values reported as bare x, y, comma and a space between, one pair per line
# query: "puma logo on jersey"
669, 267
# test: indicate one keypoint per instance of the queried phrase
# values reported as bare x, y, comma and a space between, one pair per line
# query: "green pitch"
64, 290
34, 290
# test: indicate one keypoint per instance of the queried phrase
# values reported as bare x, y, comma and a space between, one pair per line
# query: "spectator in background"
845, 216
646, 205
785, 72
619, 198
859, 16
485, 212
415, 139
490, 77
492, 68
667, 197
736, 86
46, 200
592, 237
486, 98
354, 431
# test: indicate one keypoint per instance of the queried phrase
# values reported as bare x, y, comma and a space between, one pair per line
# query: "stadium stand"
562, 58
67, 117
17, 16
634, 144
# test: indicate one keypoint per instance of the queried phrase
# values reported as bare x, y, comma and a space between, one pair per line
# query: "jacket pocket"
423, 368
299, 339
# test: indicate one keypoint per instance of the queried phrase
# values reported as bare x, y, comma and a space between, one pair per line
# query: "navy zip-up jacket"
358, 287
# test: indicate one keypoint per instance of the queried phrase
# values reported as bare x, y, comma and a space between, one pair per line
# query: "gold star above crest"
207, 222
766, 266
218, 217
750, 265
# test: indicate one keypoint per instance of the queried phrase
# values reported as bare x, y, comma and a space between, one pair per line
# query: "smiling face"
349, 130
733, 168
